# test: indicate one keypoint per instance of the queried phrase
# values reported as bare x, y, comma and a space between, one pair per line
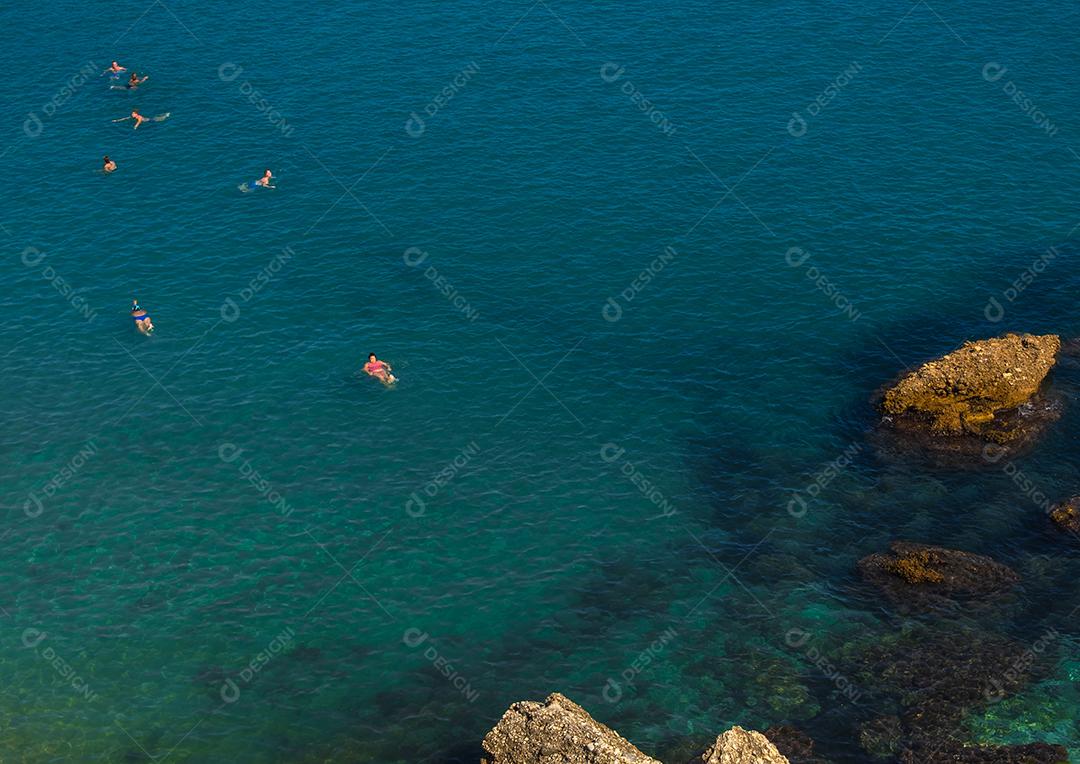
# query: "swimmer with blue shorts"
263, 182
142, 318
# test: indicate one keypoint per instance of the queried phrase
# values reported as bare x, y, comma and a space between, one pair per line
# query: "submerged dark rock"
1032, 753
881, 737
935, 679
922, 575
988, 392
793, 743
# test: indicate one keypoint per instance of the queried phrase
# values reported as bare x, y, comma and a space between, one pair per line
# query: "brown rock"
962, 391
922, 574
987, 390
557, 731
1067, 516
739, 746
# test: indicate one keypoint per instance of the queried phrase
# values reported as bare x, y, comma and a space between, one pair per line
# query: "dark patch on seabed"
960, 654
918, 675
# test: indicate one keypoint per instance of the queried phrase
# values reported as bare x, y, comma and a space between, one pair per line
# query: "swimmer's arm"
123, 119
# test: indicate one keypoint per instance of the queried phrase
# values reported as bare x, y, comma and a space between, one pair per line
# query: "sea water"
639, 269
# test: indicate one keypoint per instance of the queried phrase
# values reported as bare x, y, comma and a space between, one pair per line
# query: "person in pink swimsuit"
379, 369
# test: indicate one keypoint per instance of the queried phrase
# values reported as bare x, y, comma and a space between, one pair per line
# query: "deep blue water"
409, 561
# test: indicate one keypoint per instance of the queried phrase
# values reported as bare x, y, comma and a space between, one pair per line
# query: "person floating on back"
115, 68
379, 369
109, 166
142, 318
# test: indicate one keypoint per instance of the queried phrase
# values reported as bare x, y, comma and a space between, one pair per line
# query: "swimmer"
133, 82
263, 182
114, 69
110, 165
139, 119
142, 318
379, 369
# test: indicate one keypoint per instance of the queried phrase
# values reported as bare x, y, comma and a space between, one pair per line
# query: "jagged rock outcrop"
739, 746
961, 392
985, 392
923, 575
1067, 516
557, 731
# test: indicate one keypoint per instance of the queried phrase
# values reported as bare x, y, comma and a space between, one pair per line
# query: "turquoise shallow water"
526, 420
